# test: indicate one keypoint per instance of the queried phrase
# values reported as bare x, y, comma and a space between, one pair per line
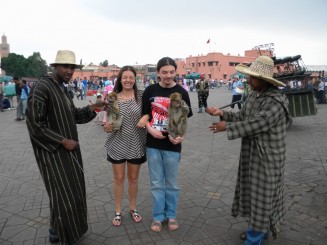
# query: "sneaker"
18, 119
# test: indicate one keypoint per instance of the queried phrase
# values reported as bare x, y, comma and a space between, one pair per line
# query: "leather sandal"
117, 219
172, 224
135, 215
156, 226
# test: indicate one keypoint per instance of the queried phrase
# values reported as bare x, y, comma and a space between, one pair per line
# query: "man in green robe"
51, 119
261, 123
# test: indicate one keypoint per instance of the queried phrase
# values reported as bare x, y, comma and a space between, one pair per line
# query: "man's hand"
218, 127
143, 121
177, 140
155, 132
70, 144
214, 111
100, 106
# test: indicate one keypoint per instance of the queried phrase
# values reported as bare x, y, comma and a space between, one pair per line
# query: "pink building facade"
217, 65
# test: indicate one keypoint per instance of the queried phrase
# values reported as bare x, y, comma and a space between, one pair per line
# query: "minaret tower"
4, 50
4, 47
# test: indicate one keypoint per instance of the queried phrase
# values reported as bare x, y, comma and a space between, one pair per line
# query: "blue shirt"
237, 84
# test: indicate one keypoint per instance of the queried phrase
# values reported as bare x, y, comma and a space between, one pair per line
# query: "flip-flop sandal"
173, 225
156, 226
117, 219
135, 215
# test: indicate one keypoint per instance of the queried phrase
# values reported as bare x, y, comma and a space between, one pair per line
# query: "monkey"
177, 115
113, 111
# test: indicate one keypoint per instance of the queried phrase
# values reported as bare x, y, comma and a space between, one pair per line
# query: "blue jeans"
255, 237
163, 170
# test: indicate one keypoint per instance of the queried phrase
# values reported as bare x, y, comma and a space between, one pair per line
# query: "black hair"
119, 87
166, 61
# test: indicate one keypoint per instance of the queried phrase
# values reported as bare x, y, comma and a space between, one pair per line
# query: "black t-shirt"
155, 102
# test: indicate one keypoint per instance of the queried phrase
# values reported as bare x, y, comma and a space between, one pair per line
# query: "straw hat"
66, 57
262, 67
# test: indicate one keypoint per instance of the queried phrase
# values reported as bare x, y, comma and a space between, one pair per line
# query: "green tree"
18, 65
105, 63
14, 65
37, 66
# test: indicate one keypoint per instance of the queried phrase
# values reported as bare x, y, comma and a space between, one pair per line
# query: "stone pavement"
207, 179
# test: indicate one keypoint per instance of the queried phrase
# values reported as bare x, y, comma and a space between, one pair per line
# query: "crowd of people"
143, 136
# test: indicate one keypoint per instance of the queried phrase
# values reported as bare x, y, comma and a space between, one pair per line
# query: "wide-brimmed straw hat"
262, 67
66, 57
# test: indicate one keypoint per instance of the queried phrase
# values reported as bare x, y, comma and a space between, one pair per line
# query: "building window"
203, 63
233, 63
210, 63
199, 64
192, 64
216, 63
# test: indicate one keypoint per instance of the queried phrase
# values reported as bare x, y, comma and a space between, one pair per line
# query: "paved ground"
207, 179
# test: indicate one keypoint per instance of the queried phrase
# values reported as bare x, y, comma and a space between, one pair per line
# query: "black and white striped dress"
129, 141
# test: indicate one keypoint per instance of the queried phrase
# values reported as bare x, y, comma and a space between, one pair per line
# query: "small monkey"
113, 111
177, 115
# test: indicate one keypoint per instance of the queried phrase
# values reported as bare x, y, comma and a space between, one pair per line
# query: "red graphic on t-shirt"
159, 110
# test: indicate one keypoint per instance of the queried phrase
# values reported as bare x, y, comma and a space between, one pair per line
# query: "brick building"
216, 65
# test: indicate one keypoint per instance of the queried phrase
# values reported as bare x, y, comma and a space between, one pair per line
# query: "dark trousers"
320, 97
202, 99
236, 97
1, 102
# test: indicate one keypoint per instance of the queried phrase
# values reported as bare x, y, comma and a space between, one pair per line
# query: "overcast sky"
126, 32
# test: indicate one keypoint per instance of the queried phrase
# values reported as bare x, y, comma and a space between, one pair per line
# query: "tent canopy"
6, 78
240, 75
193, 75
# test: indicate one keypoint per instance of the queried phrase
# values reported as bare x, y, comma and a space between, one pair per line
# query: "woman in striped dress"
126, 146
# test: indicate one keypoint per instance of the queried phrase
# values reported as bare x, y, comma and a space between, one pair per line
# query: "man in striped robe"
51, 119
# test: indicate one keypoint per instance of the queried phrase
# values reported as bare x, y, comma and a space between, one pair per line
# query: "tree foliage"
19, 66
105, 63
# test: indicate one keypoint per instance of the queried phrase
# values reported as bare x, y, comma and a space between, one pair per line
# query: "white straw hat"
262, 67
66, 57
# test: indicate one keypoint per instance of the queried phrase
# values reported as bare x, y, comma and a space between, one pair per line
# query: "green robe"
51, 116
259, 192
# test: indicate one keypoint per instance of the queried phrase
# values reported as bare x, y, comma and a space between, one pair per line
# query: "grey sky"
143, 31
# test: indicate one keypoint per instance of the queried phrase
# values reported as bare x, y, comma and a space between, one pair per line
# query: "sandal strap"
118, 216
135, 213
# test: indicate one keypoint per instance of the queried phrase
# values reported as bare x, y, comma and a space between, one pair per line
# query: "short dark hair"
15, 78
166, 61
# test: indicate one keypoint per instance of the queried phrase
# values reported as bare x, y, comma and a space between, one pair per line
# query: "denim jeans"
255, 237
163, 171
